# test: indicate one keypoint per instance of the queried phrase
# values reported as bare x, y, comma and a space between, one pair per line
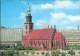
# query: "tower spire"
28, 10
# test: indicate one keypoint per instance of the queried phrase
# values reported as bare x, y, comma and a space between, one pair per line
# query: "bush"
32, 52
79, 52
27, 52
63, 54
42, 53
30, 48
37, 53
47, 54
55, 53
71, 52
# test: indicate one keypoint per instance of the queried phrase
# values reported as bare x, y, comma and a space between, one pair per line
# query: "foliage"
19, 46
27, 52
7, 53
63, 54
47, 54
37, 53
74, 47
54, 48
12, 47
67, 48
55, 53
79, 52
30, 48
32, 52
22, 53
71, 52
42, 53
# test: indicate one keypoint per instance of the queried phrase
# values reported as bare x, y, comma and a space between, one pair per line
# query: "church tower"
28, 25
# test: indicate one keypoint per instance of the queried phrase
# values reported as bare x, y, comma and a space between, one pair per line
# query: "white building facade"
10, 35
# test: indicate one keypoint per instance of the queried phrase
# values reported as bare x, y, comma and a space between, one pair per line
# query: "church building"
44, 39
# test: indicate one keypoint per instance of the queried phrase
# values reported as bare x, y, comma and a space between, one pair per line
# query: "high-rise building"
10, 35
72, 36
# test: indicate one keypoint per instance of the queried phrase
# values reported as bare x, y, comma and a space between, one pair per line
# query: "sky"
63, 14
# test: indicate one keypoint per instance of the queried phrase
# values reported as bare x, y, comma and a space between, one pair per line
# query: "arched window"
26, 26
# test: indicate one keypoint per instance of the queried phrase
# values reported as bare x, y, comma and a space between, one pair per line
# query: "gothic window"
26, 26
30, 27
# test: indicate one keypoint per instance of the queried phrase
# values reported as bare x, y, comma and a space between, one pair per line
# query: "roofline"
43, 29
9, 28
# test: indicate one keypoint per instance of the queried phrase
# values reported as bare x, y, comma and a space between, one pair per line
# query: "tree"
79, 52
42, 53
47, 54
22, 53
71, 52
4, 47
27, 52
16, 53
63, 54
37, 53
12, 47
2, 53
55, 53
19, 46
32, 52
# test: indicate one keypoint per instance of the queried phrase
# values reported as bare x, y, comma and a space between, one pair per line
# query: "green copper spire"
28, 10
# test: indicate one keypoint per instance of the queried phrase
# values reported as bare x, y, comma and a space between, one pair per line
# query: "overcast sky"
63, 14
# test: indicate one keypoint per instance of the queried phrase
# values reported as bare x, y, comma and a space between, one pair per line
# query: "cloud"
63, 16
46, 6
22, 15
74, 18
60, 19
40, 22
66, 5
57, 15
57, 5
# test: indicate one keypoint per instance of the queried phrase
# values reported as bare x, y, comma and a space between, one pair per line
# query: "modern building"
45, 39
72, 36
44, 26
10, 35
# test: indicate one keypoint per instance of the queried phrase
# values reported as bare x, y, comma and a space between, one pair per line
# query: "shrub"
37, 53
42, 53
47, 54
63, 54
71, 52
30, 48
32, 52
79, 52
27, 52
55, 53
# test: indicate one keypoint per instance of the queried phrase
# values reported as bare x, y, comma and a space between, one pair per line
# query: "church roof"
40, 34
43, 34
58, 35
